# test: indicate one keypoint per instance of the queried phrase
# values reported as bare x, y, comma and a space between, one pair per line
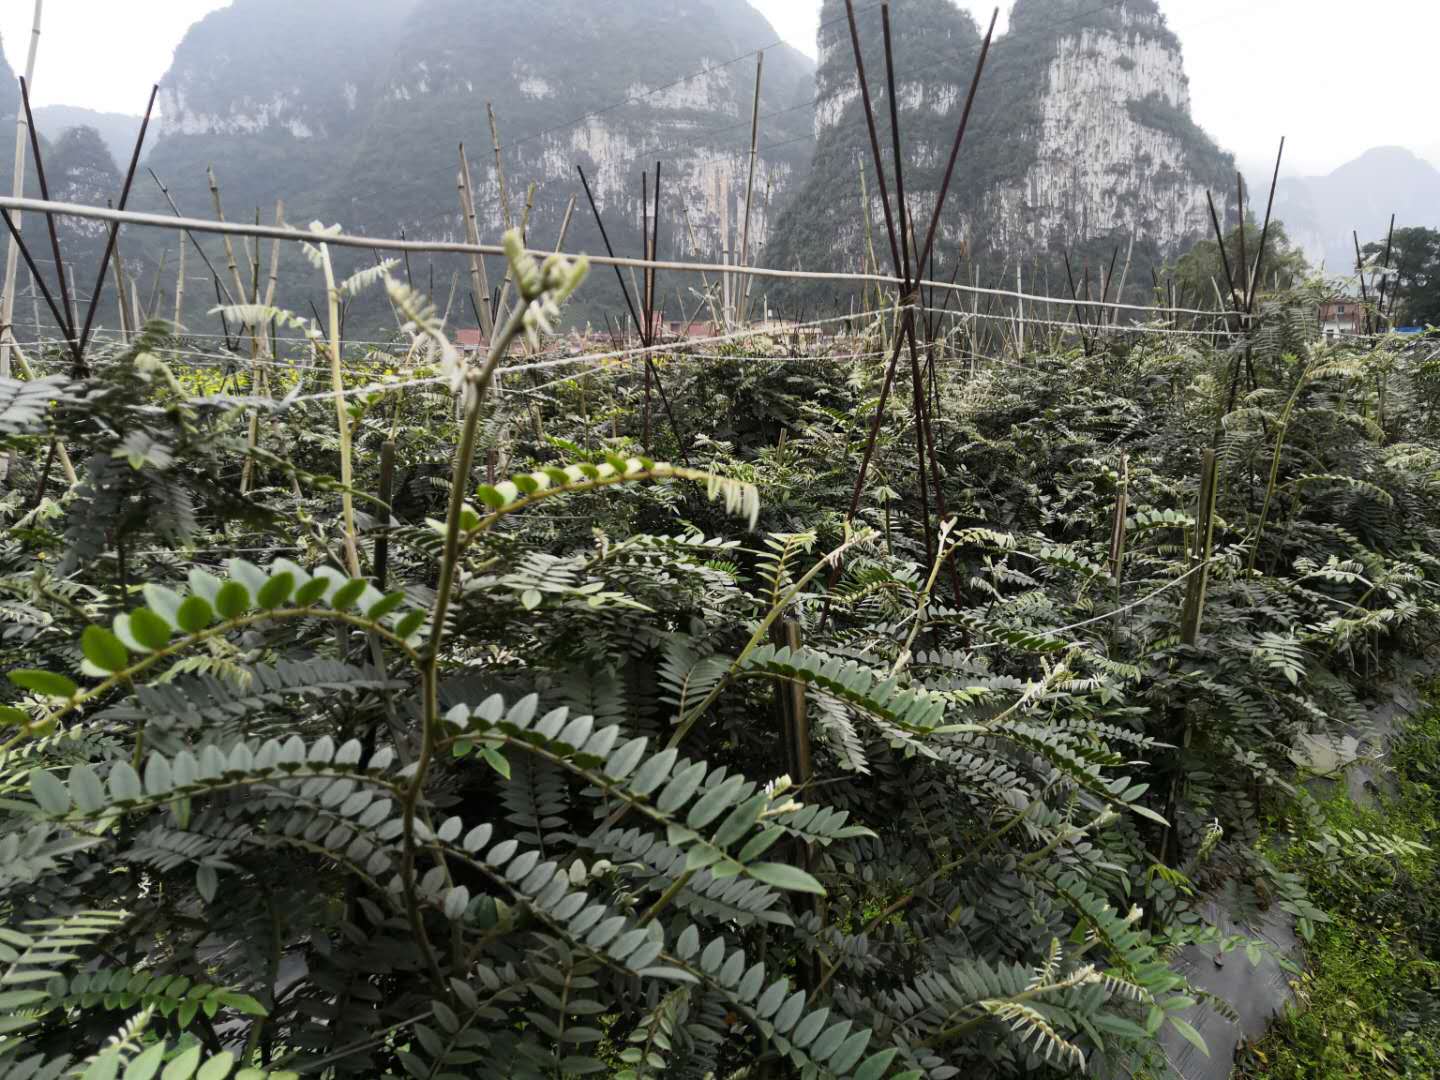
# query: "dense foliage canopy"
326, 756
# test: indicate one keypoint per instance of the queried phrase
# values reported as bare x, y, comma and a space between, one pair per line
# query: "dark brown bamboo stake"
1235, 302
653, 373
646, 297
904, 272
898, 162
152, 308
114, 234
1244, 285
225, 323
387, 495
874, 136
654, 255
895, 255
1360, 269
221, 286
959, 139
1254, 283
1385, 278
609, 250
1075, 307
67, 323
1224, 256
749, 184
35, 275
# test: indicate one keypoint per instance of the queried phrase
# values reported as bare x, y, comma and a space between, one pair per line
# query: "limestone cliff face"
1081, 133
365, 131
81, 170
1115, 147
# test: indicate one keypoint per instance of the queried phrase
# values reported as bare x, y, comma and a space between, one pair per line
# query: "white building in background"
1341, 318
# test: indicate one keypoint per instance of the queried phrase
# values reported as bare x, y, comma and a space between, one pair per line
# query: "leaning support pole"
749, 185
1360, 269
67, 308
479, 283
1385, 277
605, 239
220, 286
229, 247
499, 168
1254, 281
17, 187
115, 229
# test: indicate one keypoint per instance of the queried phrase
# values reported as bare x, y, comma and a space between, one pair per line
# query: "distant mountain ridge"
117, 130
1081, 138
365, 131
1322, 213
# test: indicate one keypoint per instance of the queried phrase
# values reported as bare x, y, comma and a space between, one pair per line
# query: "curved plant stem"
342, 415
762, 631
476, 383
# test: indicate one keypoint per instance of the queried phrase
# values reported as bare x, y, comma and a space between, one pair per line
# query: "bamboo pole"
749, 184
1125, 273
275, 256
704, 278
180, 284
153, 307
1019, 313
229, 247
17, 186
342, 417
121, 296
499, 168
479, 284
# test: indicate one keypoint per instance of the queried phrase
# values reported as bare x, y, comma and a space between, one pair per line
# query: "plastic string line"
231, 228
1148, 598
847, 358
1133, 328
588, 358
239, 361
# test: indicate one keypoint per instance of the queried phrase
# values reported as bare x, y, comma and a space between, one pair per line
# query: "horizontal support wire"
438, 247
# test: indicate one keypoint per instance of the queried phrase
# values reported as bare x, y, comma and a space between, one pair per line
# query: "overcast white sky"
1332, 76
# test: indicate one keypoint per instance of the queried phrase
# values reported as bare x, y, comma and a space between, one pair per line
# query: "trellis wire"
437, 247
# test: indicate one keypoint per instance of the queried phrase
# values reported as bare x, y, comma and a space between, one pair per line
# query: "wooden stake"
17, 186
387, 493
499, 168
479, 284
1118, 522
750, 183
229, 247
